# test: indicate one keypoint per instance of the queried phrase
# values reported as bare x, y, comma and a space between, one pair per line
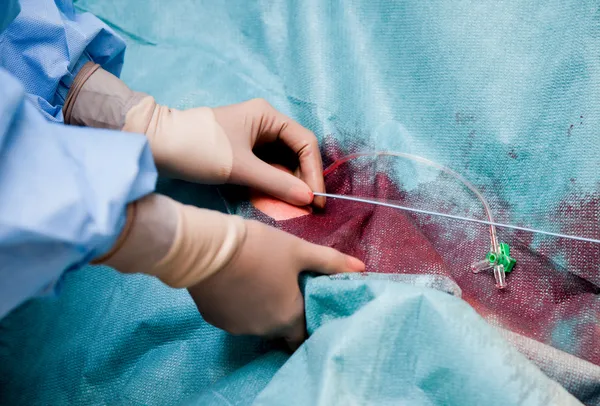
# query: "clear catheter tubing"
494, 240
499, 274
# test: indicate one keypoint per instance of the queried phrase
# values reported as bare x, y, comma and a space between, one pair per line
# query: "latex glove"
204, 145
216, 146
242, 274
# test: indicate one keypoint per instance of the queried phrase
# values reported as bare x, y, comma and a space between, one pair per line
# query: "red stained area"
385, 239
539, 295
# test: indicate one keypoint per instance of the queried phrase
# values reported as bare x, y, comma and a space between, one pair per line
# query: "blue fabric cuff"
65, 83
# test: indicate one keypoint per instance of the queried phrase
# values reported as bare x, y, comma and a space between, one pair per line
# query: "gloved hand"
242, 274
203, 145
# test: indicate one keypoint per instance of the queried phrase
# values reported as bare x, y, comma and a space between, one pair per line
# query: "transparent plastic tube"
494, 246
482, 265
416, 158
500, 276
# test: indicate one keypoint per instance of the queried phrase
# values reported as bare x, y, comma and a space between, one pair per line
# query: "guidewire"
455, 217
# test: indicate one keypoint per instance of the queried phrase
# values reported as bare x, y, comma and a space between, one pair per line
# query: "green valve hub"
502, 258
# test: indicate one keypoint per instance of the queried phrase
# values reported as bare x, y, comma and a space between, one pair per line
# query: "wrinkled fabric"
403, 345
64, 194
64, 189
10, 10
46, 45
436, 351
505, 93
539, 299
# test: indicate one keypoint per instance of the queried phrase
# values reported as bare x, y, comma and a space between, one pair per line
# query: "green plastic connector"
502, 258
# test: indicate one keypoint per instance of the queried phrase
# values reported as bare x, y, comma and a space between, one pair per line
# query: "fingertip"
317, 184
300, 194
355, 264
319, 202
280, 183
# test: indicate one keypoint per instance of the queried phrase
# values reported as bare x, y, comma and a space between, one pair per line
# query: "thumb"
275, 182
329, 261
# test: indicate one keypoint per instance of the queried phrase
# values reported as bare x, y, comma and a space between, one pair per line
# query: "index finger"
306, 147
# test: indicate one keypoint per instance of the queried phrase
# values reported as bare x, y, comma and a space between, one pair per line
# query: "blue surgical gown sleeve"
63, 190
46, 45
63, 193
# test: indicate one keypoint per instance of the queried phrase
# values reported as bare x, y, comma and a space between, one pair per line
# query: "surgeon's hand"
202, 144
242, 274
216, 146
257, 292
256, 122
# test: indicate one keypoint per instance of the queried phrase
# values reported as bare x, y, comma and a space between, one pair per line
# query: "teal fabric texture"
504, 93
376, 342
387, 342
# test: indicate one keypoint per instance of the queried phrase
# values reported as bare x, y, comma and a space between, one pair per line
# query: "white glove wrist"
181, 245
187, 144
